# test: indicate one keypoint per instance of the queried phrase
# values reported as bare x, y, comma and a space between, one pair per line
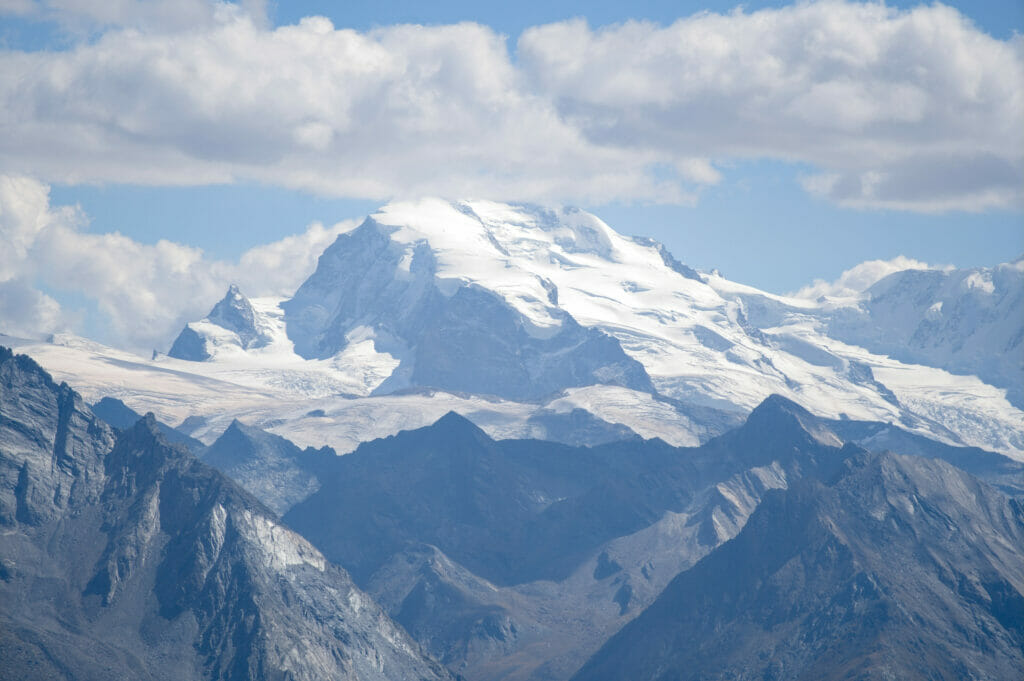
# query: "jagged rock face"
119, 416
449, 335
270, 467
902, 568
232, 321
162, 568
52, 446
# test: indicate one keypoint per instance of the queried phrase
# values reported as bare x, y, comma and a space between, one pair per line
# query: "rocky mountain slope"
517, 559
126, 557
900, 567
270, 467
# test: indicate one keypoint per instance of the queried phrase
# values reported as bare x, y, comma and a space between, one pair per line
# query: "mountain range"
495, 441
546, 323
897, 567
123, 556
515, 559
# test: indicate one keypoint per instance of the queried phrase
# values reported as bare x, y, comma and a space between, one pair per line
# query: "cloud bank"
859, 278
143, 292
913, 110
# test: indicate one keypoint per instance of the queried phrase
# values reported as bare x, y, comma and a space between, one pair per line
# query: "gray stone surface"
132, 559
899, 568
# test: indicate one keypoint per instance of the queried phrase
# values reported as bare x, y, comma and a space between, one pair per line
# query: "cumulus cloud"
277, 269
144, 292
899, 109
915, 110
26, 311
860, 278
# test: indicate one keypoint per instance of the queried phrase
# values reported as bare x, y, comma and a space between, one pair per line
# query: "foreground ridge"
120, 555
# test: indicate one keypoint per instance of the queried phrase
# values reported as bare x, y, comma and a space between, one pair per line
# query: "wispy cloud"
914, 110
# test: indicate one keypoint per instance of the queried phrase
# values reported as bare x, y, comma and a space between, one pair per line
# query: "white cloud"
860, 278
145, 293
26, 311
280, 267
914, 110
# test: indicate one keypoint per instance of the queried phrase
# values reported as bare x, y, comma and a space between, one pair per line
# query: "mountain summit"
530, 304
233, 322
456, 298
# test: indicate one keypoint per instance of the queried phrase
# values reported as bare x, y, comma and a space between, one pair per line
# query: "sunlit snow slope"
503, 312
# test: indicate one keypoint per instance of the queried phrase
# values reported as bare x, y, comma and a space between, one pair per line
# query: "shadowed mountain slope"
901, 567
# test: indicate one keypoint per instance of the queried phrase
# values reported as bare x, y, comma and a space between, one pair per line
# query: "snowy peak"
233, 323
520, 252
969, 321
454, 297
235, 313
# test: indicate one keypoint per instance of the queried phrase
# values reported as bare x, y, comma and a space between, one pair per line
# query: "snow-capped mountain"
459, 303
523, 303
534, 322
232, 323
965, 321
968, 321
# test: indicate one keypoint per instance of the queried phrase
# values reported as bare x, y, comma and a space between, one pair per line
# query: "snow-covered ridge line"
519, 316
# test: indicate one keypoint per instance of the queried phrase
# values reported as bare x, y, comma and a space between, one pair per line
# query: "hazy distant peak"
778, 415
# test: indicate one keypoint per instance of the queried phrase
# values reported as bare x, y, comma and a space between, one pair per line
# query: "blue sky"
997, 17
776, 204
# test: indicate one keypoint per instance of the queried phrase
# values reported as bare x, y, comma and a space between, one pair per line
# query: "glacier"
513, 315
